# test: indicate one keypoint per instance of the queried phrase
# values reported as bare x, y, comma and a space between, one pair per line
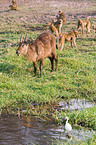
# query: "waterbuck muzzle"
22, 41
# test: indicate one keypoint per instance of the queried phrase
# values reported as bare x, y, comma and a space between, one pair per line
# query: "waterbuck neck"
26, 50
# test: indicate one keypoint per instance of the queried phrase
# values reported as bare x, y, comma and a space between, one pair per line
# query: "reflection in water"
32, 131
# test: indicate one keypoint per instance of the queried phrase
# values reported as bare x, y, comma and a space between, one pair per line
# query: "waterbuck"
43, 47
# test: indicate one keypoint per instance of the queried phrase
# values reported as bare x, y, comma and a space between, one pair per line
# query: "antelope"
43, 47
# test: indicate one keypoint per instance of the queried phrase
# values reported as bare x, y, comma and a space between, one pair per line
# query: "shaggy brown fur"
43, 47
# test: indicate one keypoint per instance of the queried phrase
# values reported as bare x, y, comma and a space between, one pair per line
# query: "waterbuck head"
23, 46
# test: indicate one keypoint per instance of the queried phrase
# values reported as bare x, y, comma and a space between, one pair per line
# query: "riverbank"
22, 93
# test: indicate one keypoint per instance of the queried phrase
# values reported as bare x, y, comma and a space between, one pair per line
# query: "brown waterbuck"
43, 47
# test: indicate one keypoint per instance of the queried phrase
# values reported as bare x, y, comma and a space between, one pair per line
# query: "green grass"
75, 77
85, 117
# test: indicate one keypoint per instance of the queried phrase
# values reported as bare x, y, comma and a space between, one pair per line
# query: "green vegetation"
85, 117
75, 78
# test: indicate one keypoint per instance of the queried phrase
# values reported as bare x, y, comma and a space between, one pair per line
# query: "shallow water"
75, 104
10, 131
30, 130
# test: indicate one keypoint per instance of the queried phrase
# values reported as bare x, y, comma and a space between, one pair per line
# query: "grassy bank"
76, 73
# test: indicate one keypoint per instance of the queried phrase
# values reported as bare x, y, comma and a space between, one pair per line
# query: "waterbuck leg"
56, 62
52, 62
41, 66
35, 67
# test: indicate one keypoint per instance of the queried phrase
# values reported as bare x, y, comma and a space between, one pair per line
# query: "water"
10, 131
32, 131
75, 104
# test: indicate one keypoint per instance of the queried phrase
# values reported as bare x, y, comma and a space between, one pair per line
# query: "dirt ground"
42, 11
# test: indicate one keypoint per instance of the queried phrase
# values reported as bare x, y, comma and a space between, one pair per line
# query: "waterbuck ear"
25, 40
21, 39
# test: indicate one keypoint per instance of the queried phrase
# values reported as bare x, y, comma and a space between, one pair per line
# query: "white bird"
68, 126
